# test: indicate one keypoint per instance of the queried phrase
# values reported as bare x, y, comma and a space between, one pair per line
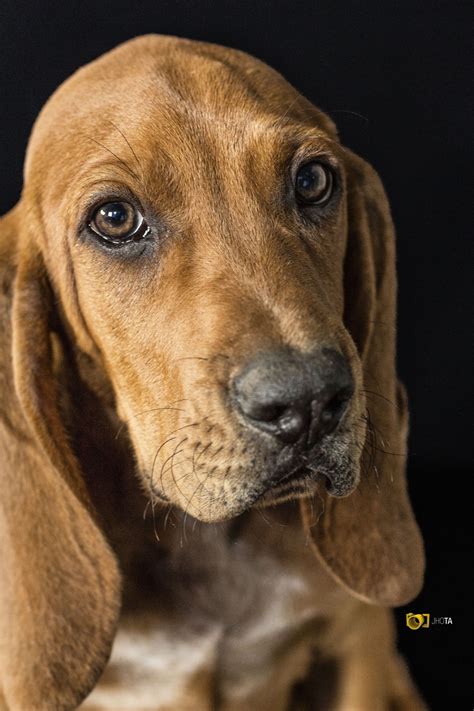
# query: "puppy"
202, 427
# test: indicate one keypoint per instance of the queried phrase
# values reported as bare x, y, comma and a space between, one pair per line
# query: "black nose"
295, 396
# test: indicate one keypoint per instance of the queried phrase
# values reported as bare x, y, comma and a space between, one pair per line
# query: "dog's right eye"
314, 184
118, 223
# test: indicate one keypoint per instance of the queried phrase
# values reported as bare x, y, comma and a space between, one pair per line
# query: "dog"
203, 436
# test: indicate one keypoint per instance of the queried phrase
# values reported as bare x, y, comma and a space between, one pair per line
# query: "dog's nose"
294, 396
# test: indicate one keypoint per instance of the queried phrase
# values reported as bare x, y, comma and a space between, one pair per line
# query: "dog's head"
194, 226
228, 267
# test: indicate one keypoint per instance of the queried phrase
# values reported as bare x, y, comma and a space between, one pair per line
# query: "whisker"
120, 160
349, 113
126, 141
175, 451
153, 409
280, 120
260, 511
168, 513
154, 522
148, 503
151, 500
372, 392
158, 409
170, 439
177, 464
177, 360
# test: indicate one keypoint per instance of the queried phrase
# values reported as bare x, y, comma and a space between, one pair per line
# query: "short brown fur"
111, 364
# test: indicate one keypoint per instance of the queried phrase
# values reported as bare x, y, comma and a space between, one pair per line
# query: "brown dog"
198, 284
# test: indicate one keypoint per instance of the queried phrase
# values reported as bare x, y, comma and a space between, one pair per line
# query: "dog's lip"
296, 475
302, 473
296, 472
296, 483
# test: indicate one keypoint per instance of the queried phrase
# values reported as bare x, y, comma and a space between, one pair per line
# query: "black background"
395, 78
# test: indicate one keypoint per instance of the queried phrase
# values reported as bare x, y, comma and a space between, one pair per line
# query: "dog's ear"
370, 541
60, 586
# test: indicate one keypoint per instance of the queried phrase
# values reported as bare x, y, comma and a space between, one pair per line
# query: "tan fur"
109, 365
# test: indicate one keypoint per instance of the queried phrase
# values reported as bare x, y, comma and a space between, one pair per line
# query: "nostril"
283, 420
267, 412
335, 406
327, 413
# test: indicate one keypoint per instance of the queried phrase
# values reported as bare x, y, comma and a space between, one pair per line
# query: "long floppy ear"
59, 580
370, 541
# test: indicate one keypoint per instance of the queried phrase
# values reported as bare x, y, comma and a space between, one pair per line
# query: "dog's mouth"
295, 472
324, 468
296, 484
299, 483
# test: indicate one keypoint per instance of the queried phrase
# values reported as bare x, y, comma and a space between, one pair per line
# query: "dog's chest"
218, 615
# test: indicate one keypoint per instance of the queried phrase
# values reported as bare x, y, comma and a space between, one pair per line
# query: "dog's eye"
118, 222
314, 183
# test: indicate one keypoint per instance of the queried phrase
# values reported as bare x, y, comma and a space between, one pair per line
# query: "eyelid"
312, 154
322, 160
100, 193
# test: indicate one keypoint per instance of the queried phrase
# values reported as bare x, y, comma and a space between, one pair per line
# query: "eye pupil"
305, 182
114, 213
314, 183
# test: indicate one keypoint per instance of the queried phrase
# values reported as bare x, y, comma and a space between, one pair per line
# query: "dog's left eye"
314, 183
118, 222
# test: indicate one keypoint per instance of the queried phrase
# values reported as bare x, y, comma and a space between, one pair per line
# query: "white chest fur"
225, 613
151, 669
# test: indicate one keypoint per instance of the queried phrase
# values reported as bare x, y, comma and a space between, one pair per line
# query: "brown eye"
314, 184
118, 222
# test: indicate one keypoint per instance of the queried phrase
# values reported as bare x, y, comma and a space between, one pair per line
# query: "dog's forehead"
183, 72
169, 89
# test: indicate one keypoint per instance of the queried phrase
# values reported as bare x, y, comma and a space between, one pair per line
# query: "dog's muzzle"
293, 398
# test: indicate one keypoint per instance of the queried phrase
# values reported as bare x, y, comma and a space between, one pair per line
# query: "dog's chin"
334, 471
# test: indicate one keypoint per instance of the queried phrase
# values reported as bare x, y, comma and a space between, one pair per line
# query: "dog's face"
195, 216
